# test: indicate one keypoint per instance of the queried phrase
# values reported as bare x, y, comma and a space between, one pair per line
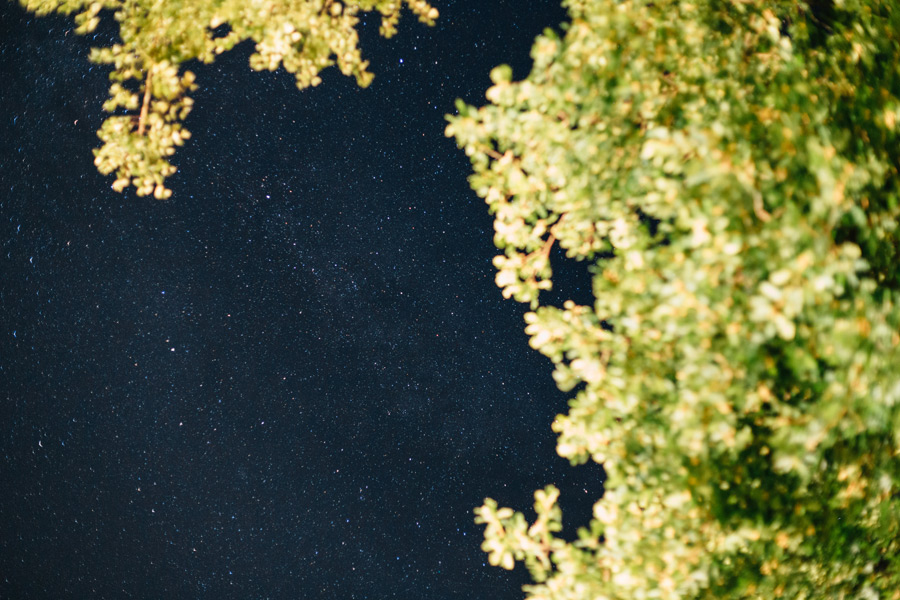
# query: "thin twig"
758, 208
142, 122
548, 244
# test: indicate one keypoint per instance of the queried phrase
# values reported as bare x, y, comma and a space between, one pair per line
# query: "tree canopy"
148, 96
729, 172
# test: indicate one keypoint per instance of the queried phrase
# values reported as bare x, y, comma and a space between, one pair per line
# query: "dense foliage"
148, 96
728, 169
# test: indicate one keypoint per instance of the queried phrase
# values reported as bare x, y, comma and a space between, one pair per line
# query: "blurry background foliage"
148, 96
728, 170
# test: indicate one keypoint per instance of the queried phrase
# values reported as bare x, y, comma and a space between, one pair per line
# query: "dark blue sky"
295, 378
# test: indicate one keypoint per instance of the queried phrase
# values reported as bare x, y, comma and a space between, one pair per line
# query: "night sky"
296, 377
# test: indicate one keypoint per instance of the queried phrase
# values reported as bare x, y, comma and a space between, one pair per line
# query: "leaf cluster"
148, 97
728, 170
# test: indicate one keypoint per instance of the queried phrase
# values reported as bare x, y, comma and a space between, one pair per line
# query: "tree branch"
142, 121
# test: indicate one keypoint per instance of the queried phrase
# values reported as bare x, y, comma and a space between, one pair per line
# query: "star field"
296, 377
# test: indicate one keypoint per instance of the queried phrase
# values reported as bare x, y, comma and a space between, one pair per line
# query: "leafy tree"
729, 172
148, 96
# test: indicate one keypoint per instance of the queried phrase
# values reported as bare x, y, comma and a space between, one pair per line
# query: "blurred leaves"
728, 170
148, 96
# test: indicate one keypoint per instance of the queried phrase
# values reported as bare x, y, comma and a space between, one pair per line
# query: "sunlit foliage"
148, 95
728, 169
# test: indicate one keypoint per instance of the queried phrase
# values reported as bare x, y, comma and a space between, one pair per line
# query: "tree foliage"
729, 172
148, 96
